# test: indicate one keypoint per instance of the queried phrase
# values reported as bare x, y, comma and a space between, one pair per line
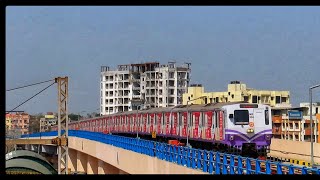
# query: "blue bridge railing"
206, 161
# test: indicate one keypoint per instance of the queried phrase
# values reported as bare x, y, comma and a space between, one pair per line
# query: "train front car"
248, 128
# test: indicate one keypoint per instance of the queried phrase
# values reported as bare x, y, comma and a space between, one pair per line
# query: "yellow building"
237, 91
8, 121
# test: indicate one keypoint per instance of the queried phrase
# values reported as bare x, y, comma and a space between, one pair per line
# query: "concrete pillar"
72, 159
81, 162
92, 165
102, 168
109, 169
122, 172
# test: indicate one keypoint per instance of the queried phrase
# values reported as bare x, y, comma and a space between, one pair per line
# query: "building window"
245, 98
271, 98
254, 99
229, 93
211, 100
217, 99
205, 100
283, 99
278, 100
232, 96
291, 137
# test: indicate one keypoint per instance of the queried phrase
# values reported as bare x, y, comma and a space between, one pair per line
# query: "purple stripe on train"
239, 138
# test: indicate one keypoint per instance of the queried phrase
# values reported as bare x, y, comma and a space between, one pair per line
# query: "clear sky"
269, 48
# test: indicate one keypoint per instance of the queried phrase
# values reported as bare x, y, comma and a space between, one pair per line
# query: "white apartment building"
315, 108
152, 84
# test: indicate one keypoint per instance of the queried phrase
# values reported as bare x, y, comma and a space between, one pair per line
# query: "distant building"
49, 120
294, 124
237, 91
315, 108
17, 122
8, 121
152, 84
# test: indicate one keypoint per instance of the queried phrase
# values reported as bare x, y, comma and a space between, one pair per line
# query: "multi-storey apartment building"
8, 121
18, 122
151, 84
237, 91
294, 123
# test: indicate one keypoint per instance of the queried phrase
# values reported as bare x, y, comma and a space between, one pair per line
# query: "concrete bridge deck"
96, 153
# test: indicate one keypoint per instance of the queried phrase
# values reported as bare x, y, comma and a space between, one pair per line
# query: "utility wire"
33, 96
30, 85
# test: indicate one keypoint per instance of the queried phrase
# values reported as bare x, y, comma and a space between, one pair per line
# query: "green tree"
74, 117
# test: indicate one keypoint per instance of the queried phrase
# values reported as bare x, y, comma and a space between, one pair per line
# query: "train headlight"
231, 137
250, 130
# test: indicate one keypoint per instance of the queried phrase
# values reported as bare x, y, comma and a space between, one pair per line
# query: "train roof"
191, 107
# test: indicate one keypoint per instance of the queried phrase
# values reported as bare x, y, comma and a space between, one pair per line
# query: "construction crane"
62, 140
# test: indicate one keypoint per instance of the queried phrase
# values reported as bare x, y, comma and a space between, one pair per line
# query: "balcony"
276, 119
307, 131
276, 131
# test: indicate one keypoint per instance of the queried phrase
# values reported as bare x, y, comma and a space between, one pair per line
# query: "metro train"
234, 127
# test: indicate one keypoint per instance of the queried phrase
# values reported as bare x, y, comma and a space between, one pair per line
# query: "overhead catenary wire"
32, 96
30, 85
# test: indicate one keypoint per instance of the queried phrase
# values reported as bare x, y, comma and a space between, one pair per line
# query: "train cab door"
123, 122
87, 126
128, 123
101, 125
124, 129
108, 124
159, 123
209, 125
175, 129
134, 122
120, 123
139, 126
129, 118
167, 123
104, 125
98, 125
119, 119
184, 124
152, 122
195, 124
145, 118
95, 125
117, 123
219, 128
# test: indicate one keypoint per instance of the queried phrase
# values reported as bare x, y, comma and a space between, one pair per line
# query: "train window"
241, 117
266, 113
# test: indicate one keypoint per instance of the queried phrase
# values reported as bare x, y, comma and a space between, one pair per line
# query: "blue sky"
270, 48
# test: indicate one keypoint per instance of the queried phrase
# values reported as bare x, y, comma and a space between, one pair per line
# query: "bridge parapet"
207, 161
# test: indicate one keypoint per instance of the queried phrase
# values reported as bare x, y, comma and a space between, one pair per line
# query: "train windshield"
241, 117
